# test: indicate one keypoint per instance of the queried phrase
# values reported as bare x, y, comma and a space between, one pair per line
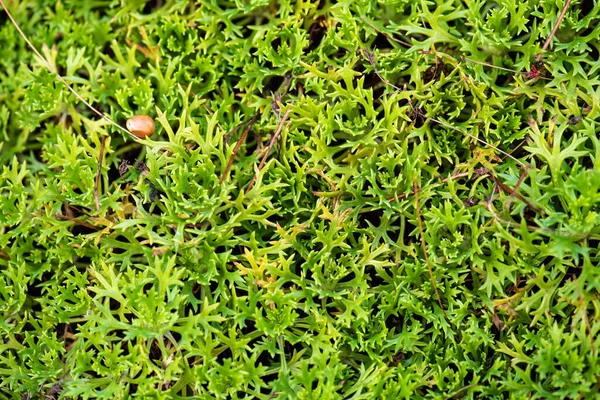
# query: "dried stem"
518, 146
235, 129
513, 192
371, 59
237, 145
488, 205
447, 125
279, 94
211, 114
444, 180
75, 220
585, 317
420, 223
501, 68
99, 172
271, 143
60, 78
560, 18
491, 65
386, 34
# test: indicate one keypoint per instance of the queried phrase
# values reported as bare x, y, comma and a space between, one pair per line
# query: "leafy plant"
304, 277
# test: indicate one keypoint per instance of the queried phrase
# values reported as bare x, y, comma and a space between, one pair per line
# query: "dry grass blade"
99, 173
60, 78
488, 205
442, 180
560, 18
491, 65
501, 68
371, 59
513, 192
422, 235
271, 143
237, 145
234, 130
447, 125
390, 37
279, 94
585, 317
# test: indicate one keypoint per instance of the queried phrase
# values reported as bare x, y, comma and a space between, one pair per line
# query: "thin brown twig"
518, 146
235, 129
444, 180
501, 68
488, 205
211, 114
585, 317
491, 65
471, 386
75, 220
238, 145
279, 94
420, 223
387, 35
271, 143
454, 176
58, 76
371, 59
513, 193
546, 231
447, 125
99, 173
547, 43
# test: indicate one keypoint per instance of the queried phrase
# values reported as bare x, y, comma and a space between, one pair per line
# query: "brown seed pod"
141, 126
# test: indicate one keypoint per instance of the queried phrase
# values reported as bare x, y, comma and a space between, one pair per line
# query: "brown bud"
141, 126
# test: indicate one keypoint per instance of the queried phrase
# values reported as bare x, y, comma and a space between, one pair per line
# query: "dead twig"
560, 18
279, 94
99, 173
513, 192
491, 65
447, 125
585, 317
238, 145
444, 180
418, 112
388, 36
211, 114
488, 206
371, 59
271, 143
526, 74
234, 130
73, 219
518, 146
464, 388
420, 224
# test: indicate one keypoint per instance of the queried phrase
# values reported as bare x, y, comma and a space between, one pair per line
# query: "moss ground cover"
342, 200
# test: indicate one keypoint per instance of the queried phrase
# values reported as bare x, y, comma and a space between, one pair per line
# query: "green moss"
312, 284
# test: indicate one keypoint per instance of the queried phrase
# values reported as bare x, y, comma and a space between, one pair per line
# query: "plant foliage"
312, 283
